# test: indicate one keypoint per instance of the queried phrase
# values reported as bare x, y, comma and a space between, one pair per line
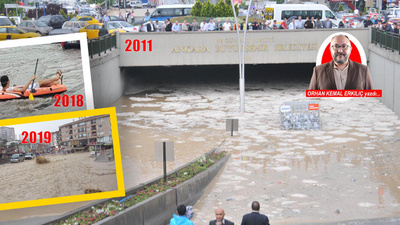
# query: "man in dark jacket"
219, 217
368, 22
168, 27
151, 27
103, 31
308, 24
255, 218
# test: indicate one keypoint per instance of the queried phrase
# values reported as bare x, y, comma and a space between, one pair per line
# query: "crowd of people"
184, 214
294, 24
382, 25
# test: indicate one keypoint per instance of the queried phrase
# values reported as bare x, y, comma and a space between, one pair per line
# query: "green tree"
207, 9
196, 9
365, 10
340, 8
2, 2
62, 13
280, 1
220, 9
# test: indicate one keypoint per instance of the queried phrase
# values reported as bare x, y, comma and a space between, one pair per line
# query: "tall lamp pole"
242, 55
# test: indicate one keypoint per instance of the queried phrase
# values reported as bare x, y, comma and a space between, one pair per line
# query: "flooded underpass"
348, 170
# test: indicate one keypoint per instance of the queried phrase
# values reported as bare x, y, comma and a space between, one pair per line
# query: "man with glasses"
341, 73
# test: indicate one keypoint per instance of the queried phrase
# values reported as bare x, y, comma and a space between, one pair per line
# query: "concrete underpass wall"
220, 48
160, 208
107, 79
385, 66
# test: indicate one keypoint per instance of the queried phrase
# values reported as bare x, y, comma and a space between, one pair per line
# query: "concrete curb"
130, 215
160, 208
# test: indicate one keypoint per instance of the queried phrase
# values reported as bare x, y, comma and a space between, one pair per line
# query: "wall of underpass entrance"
384, 66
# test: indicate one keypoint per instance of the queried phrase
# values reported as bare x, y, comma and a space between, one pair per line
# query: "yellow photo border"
74, 198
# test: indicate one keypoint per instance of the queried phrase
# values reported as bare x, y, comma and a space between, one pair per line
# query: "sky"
40, 126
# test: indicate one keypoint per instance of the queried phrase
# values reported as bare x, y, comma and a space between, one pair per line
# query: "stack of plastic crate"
300, 115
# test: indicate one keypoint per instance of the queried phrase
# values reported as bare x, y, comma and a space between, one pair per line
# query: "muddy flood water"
18, 64
347, 170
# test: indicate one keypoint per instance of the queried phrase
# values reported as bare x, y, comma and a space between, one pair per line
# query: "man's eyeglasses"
337, 47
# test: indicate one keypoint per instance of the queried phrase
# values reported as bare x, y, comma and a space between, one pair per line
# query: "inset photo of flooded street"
58, 158
58, 71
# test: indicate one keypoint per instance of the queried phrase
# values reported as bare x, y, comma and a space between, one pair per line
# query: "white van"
280, 11
136, 4
393, 13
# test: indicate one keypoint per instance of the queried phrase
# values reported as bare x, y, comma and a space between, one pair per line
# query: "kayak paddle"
32, 89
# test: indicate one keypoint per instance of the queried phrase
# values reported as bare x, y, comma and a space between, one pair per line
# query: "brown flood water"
347, 170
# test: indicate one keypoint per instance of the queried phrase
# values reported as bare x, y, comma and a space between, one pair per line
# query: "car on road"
15, 158
28, 156
122, 25
75, 26
36, 27
54, 21
4, 21
136, 4
136, 27
11, 32
394, 20
150, 5
92, 30
87, 19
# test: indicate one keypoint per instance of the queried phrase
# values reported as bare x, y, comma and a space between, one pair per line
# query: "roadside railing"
102, 44
387, 40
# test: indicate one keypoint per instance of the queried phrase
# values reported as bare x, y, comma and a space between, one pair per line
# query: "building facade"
7, 133
86, 131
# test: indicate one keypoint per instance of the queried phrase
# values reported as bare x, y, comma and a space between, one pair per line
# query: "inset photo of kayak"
73, 157
44, 77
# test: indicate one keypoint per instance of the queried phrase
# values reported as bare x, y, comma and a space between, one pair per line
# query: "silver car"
36, 27
122, 25
75, 26
17, 158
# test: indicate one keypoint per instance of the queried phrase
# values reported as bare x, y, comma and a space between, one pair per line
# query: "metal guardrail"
102, 44
387, 40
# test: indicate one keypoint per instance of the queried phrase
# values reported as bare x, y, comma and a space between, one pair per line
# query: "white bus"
164, 12
280, 11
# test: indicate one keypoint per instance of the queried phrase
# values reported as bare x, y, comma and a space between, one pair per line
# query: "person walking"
255, 218
219, 217
180, 219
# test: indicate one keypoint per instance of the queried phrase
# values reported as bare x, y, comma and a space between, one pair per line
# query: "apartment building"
86, 131
7, 133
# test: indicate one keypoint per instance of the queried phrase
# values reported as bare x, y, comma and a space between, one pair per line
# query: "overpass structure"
220, 48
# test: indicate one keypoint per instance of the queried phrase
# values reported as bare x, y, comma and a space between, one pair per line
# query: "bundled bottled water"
300, 115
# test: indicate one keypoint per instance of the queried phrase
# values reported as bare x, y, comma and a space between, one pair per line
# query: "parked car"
150, 5
75, 26
122, 25
394, 20
36, 27
136, 4
92, 30
89, 13
116, 18
4, 21
11, 32
28, 156
55, 21
17, 158
136, 28
87, 19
